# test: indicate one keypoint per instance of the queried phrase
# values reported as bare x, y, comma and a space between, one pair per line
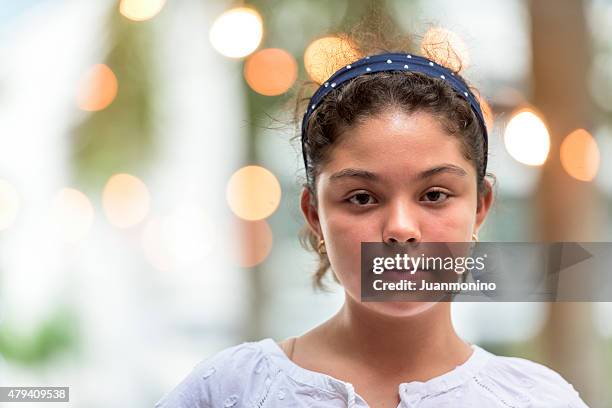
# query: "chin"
400, 309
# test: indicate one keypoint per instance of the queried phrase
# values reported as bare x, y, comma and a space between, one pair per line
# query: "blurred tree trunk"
567, 209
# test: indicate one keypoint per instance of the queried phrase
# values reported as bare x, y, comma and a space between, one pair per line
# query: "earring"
474, 237
321, 247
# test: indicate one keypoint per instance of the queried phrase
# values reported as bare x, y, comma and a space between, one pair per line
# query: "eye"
361, 199
434, 196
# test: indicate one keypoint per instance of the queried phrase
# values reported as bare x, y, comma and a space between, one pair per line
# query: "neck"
419, 347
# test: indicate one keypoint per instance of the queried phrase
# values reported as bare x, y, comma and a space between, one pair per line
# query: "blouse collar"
440, 384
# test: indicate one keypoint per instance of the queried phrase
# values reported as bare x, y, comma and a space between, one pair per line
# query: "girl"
395, 151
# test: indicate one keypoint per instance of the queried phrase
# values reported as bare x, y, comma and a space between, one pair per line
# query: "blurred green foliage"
56, 335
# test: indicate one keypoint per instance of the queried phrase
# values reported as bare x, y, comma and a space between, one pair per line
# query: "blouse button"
231, 401
281, 395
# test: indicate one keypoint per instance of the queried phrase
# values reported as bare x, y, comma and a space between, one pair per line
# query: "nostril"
395, 241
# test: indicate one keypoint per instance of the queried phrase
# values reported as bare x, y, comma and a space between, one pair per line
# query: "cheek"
343, 236
453, 224
342, 227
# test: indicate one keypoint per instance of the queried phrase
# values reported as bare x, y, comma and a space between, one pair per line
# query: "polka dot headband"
393, 62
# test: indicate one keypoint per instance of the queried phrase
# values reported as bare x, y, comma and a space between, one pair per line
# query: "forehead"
397, 141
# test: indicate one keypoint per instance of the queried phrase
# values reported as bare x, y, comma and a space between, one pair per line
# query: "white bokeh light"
237, 32
527, 139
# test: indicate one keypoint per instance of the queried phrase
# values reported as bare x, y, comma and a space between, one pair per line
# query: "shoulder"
234, 374
530, 380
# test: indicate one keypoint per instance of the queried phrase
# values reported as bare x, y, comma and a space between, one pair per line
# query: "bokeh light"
580, 155
140, 10
71, 214
9, 204
446, 48
98, 88
253, 193
237, 32
271, 71
125, 200
256, 242
527, 139
326, 55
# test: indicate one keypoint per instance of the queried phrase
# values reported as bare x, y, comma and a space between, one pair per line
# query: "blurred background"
149, 183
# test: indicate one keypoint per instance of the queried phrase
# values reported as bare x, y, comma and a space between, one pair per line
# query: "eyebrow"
368, 175
445, 168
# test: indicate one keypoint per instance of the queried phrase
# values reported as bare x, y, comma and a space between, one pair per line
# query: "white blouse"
260, 375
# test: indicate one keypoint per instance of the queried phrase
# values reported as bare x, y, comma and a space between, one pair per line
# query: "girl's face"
395, 177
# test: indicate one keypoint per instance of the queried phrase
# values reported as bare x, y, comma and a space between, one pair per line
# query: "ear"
311, 213
484, 205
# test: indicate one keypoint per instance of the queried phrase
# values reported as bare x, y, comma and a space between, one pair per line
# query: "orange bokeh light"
125, 200
271, 71
326, 55
580, 155
98, 88
256, 242
253, 193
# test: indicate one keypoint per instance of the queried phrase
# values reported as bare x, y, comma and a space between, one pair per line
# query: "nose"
401, 225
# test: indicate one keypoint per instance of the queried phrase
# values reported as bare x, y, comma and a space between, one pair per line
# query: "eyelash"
355, 195
435, 190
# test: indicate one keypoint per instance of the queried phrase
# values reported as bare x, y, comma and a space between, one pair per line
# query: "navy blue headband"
393, 62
